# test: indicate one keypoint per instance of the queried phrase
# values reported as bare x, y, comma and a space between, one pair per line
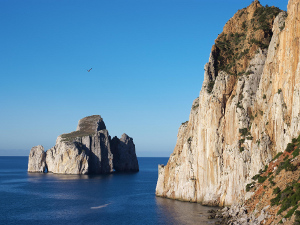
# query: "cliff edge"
248, 109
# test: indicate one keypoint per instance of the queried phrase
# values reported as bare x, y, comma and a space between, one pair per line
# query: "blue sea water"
33, 198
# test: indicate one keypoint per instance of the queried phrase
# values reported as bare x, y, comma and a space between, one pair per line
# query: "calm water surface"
31, 198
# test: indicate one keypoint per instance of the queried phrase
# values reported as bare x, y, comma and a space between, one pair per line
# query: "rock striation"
247, 111
86, 151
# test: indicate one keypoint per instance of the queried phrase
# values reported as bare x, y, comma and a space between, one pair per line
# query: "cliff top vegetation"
247, 31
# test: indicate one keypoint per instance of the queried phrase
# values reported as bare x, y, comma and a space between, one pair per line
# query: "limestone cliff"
247, 111
85, 151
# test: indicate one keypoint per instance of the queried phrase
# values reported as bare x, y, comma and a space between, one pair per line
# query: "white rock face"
67, 158
238, 127
86, 151
37, 159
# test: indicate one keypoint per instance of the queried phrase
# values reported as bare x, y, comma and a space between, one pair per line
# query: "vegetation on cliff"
278, 186
249, 29
246, 120
87, 126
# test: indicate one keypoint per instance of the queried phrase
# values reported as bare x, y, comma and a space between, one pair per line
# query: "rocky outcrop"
88, 151
124, 154
240, 120
37, 159
67, 158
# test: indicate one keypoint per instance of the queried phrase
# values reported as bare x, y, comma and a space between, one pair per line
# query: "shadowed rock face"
84, 151
124, 154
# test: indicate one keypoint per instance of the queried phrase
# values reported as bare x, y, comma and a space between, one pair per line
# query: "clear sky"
147, 59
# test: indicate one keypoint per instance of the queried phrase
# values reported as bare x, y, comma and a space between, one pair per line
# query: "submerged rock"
86, 151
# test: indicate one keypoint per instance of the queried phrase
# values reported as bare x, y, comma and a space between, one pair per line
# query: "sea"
119, 198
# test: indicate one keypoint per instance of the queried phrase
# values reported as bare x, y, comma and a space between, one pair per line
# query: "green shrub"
184, 123
266, 168
239, 105
255, 177
294, 140
290, 197
210, 86
261, 179
296, 185
277, 156
241, 97
271, 181
244, 131
241, 141
290, 147
276, 191
296, 152
242, 149
276, 200
282, 27
269, 174
258, 142
249, 72
291, 212
287, 165
244, 25
249, 186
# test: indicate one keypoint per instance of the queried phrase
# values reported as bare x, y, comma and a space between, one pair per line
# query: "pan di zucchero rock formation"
88, 150
248, 109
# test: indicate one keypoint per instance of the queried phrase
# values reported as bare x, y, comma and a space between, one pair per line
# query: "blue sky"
147, 59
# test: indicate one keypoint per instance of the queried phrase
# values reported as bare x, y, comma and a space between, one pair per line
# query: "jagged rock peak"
125, 138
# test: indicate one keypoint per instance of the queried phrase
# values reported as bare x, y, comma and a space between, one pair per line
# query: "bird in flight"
89, 70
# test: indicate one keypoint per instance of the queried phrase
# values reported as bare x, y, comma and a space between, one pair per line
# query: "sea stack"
86, 151
124, 154
37, 159
248, 109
